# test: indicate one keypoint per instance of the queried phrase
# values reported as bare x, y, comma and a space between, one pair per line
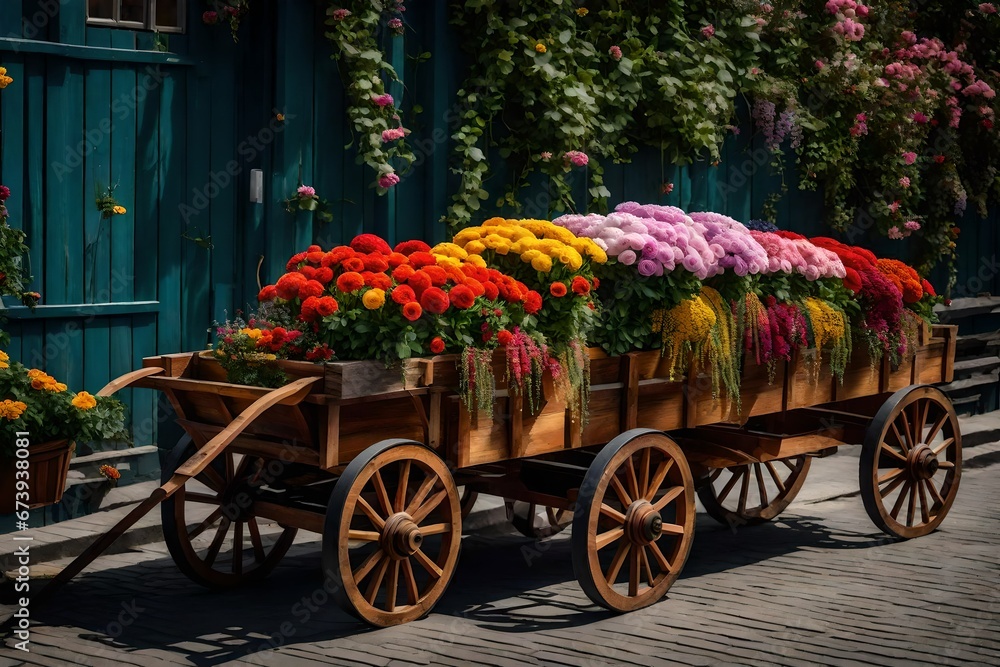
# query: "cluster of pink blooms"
860, 126
741, 253
341, 14
846, 12
798, 255
393, 134
388, 180
576, 158
306, 192
382, 100
616, 52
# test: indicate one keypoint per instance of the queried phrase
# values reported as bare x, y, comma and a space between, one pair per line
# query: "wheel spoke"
633, 482
259, 554
892, 474
426, 563
195, 497
421, 494
661, 560
892, 485
906, 430
670, 496
774, 475
714, 475
435, 529
404, 476
227, 458
374, 559
383, 495
919, 420
912, 508
937, 427
744, 489
532, 515
901, 499
212, 479
363, 535
938, 500
428, 507
788, 464
412, 592
946, 465
238, 548
391, 588
376, 581
644, 561
924, 515
760, 485
884, 447
204, 525
730, 484
943, 446
606, 538
633, 573
612, 513
616, 484
661, 474
617, 562
900, 439
370, 512
644, 472
220, 536
671, 529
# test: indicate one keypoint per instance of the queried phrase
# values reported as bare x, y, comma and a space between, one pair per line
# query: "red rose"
402, 273
437, 345
324, 274
353, 264
309, 306
581, 286
419, 259
435, 300
311, 288
269, 293
420, 281
409, 247
288, 285
491, 290
350, 282
412, 311
928, 288
462, 297
375, 262
327, 306
369, 243
558, 290
295, 260
533, 302
403, 294
504, 337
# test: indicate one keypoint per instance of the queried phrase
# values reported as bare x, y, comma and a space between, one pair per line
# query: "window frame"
149, 22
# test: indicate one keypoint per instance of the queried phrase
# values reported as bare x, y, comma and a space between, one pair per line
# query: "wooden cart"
375, 461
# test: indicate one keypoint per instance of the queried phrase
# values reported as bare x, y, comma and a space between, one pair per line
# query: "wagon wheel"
226, 547
634, 521
392, 533
753, 493
468, 500
526, 519
911, 462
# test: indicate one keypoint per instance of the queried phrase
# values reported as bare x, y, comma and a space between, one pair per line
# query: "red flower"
928, 288
314, 248
353, 264
409, 247
852, 280
379, 280
462, 297
533, 302
324, 274
315, 256
403, 273
419, 259
396, 259
319, 353
939, 159
437, 345
375, 262
403, 295
581, 286
558, 290
350, 282
438, 275
476, 286
288, 285
327, 306
309, 306
491, 290
412, 311
597, 283
311, 288
309, 272
337, 255
295, 261
987, 123
420, 281
369, 243
435, 300
504, 337
269, 293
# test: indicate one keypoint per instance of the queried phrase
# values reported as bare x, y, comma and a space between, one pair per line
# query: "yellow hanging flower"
4, 79
540, 48
582, 11
4, 360
84, 401
374, 298
11, 410
119, 210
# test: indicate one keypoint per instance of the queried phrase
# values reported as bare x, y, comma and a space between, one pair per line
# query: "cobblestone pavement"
819, 585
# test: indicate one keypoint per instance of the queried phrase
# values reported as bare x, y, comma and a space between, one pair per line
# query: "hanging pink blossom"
912, 225
616, 52
341, 14
577, 158
306, 191
708, 32
905, 181
388, 180
382, 100
909, 157
393, 134
894, 233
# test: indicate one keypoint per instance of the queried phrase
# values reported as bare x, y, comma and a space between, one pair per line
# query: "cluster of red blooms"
788, 328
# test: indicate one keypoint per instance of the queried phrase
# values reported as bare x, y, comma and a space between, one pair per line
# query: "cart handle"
120, 383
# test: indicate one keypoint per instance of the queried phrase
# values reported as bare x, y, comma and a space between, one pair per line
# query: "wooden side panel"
364, 424
862, 377
896, 379
931, 362
761, 393
810, 381
661, 405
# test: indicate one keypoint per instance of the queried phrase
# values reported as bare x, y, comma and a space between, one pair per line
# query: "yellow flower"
4, 79
542, 263
540, 48
84, 401
582, 11
497, 243
475, 247
374, 298
446, 262
450, 250
530, 255
55, 387
467, 235
36, 374
4, 358
476, 260
119, 210
11, 410
254, 334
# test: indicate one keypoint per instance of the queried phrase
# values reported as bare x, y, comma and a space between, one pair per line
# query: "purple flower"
647, 267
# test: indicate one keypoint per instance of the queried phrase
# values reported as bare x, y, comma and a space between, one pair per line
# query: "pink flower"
615, 52
894, 206
819, 64
905, 181
912, 225
4, 192
578, 158
894, 233
667, 188
383, 100
909, 157
908, 37
987, 8
919, 118
708, 32
388, 180
211, 18
396, 25
306, 191
341, 14
393, 134
545, 155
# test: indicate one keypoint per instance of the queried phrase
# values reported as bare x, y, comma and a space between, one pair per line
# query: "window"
160, 15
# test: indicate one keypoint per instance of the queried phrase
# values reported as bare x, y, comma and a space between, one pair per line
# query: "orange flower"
558, 290
353, 264
435, 300
289, 284
84, 401
437, 345
110, 472
311, 288
327, 306
269, 293
462, 296
504, 337
403, 294
581, 286
350, 281
403, 273
373, 298
412, 311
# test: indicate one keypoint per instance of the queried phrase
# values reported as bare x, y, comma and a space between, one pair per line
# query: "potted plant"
40, 415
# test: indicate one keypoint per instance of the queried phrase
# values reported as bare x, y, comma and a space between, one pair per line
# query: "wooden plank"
91, 53
124, 92
35, 187
289, 516
629, 418
223, 290
172, 165
330, 444
195, 306
350, 379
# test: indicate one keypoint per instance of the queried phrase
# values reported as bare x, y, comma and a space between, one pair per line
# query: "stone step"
967, 307
976, 365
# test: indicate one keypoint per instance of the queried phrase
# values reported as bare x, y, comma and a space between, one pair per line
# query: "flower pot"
48, 465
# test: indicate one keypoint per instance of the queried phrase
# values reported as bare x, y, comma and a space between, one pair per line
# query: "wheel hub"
923, 463
401, 537
643, 523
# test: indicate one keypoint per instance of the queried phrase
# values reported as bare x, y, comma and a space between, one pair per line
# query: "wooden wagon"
376, 461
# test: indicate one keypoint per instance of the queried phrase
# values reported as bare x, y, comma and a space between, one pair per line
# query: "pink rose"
383, 100
912, 225
905, 181
306, 191
341, 14
388, 180
615, 52
909, 157
708, 32
577, 158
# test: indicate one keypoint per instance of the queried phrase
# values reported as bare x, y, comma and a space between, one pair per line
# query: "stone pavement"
818, 586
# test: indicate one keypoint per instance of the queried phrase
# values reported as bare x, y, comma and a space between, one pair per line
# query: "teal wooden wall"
179, 131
